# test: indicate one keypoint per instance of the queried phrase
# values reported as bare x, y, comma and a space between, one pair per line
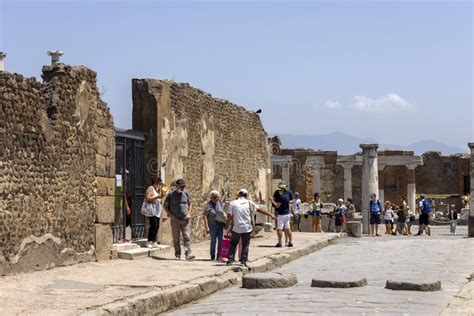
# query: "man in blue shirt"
424, 207
281, 200
375, 208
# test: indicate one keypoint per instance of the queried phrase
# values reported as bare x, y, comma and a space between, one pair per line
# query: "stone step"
126, 246
138, 253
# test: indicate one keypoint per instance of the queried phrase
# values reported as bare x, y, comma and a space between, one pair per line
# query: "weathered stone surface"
354, 229
48, 167
105, 209
413, 285
103, 242
268, 280
339, 282
105, 186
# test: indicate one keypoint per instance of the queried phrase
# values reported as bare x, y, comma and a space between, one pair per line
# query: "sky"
398, 72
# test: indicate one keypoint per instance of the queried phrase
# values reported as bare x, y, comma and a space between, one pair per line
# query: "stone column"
381, 183
411, 187
316, 179
2, 61
347, 181
55, 54
285, 173
370, 181
471, 204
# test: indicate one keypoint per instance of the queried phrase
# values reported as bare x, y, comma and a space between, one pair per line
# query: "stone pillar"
411, 187
285, 173
316, 179
381, 184
471, 204
347, 181
370, 181
2, 61
55, 54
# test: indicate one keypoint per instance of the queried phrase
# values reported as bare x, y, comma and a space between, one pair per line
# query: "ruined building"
211, 143
56, 170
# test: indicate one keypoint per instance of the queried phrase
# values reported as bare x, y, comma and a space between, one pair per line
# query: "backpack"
378, 203
426, 207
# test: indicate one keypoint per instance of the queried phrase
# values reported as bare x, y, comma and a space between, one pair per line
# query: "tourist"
240, 212
401, 219
350, 209
453, 219
214, 223
375, 208
281, 201
388, 216
178, 206
410, 220
316, 212
339, 211
154, 197
424, 208
297, 210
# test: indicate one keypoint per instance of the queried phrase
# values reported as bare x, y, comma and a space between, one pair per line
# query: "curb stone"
162, 300
268, 280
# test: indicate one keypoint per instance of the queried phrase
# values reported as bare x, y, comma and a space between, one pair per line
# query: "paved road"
448, 258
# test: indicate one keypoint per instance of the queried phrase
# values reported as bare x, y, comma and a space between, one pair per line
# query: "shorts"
424, 219
388, 221
283, 221
374, 219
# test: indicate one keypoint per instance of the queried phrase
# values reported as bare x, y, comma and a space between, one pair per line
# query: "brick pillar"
347, 181
381, 183
411, 187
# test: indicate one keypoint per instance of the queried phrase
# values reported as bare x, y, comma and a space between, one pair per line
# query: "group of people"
239, 214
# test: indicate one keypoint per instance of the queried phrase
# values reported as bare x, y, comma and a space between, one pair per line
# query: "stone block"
101, 166
104, 209
354, 229
270, 280
105, 186
414, 285
103, 242
339, 282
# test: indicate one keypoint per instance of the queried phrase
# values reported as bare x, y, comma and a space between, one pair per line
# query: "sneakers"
149, 245
229, 262
178, 257
190, 257
290, 244
278, 245
154, 245
244, 264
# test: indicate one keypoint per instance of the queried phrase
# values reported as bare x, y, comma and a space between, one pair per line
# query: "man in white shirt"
241, 211
297, 209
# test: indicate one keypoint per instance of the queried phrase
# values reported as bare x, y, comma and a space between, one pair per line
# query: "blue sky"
398, 72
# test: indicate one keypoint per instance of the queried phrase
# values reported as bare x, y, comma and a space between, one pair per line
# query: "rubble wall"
56, 170
210, 142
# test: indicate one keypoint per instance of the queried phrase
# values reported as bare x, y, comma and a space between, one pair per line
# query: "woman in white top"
153, 194
388, 217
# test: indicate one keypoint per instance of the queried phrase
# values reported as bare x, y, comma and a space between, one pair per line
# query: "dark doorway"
130, 185
467, 184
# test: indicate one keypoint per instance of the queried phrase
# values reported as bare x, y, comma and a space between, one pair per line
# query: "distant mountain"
346, 144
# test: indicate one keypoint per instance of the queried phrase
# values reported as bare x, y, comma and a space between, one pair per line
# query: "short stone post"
370, 180
285, 173
471, 211
55, 54
2, 61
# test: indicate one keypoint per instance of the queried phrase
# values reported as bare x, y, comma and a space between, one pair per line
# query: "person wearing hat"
178, 206
281, 200
339, 211
240, 212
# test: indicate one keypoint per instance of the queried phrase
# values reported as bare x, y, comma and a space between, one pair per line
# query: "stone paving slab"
139, 286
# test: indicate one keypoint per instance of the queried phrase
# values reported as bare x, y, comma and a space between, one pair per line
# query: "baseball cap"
180, 182
243, 192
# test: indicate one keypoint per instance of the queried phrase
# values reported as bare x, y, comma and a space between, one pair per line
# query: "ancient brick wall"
56, 170
211, 143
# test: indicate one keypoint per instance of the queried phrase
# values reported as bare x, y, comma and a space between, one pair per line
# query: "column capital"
411, 167
369, 146
471, 145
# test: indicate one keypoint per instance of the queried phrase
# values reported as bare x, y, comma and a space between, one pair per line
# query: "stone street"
441, 256
96, 288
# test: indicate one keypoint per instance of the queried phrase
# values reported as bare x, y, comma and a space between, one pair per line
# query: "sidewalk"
145, 285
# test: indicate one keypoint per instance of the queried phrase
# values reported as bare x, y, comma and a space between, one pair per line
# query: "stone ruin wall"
211, 143
56, 170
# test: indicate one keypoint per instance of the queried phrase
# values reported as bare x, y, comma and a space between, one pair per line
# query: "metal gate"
130, 184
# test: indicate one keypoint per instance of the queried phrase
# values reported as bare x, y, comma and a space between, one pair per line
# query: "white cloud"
332, 104
389, 102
